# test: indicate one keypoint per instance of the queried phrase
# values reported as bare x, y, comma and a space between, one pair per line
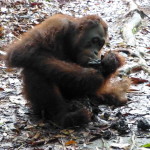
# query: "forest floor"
123, 128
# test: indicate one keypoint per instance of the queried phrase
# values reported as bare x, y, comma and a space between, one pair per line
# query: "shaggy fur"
54, 56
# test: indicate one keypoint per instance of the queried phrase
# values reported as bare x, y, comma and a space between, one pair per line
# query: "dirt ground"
123, 128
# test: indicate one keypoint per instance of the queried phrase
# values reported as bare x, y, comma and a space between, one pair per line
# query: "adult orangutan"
55, 57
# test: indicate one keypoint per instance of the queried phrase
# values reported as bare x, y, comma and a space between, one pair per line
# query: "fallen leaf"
136, 69
1, 31
132, 90
37, 135
60, 136
66, 132
148, 85
1, 89
138, 80
35, 4
70, 143
146, 145
37, 143
9, 69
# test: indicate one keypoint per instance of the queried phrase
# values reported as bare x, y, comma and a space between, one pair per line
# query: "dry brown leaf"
136, 69
1, 31
60, 136
37, 135
70, 143
9, 69
66, 132
1, 89
148, 85
37, 143
132, 90
138, 80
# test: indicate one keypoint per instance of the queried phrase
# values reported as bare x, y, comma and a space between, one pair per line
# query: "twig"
133, 141
104, 144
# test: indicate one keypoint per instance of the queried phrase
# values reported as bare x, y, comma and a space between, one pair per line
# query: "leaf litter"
126, 127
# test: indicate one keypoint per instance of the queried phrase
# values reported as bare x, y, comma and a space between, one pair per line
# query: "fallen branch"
128, 35
132, 24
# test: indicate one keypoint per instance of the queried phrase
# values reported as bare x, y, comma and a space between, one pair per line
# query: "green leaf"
1, 123
146, 145
134, 30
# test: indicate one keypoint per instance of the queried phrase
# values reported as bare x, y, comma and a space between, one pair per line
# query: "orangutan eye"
95, 40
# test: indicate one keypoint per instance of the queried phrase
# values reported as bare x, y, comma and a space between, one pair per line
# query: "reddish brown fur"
54, 57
